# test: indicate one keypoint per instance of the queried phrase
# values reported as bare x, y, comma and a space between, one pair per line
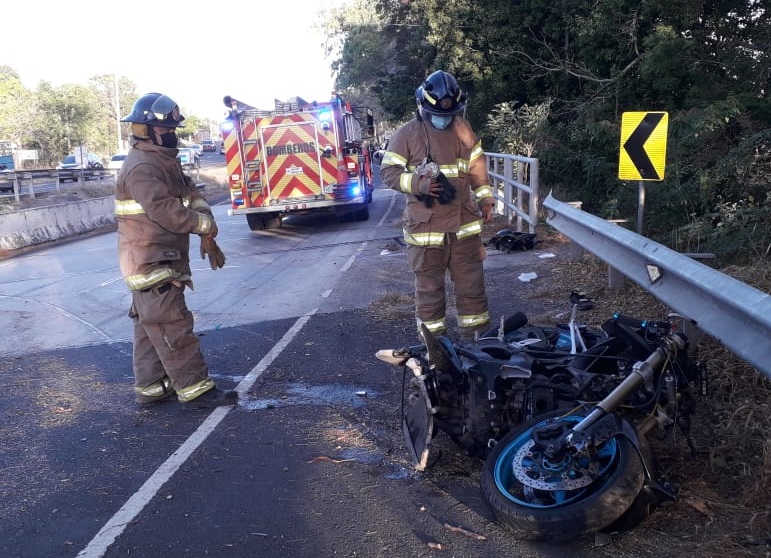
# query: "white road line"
126, 514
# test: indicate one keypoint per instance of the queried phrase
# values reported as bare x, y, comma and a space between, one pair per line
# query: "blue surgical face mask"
440, 122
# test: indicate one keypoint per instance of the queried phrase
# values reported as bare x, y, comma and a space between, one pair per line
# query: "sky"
196, 52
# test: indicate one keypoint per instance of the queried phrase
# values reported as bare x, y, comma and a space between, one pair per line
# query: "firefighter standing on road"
436, 159
157, 209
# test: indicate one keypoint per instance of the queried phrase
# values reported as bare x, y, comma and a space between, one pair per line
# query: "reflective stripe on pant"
463, 259
164, 341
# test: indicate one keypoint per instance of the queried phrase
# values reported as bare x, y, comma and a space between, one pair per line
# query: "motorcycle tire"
559, 515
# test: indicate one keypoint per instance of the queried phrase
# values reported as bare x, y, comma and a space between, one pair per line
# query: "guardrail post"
616, 279
16, 187
576, 252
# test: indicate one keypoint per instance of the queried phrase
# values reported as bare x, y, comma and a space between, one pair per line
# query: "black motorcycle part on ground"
418, 426
418, 423
533, 514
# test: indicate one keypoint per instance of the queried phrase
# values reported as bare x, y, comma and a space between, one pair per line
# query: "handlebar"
650, 326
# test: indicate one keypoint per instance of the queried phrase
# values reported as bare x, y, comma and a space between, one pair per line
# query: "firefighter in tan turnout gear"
157, 209
436, 159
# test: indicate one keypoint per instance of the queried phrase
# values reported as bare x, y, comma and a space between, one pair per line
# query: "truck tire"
271, 221
254, 221
361, 214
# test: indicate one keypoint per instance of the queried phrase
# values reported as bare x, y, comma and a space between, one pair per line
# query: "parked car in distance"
116, 161
222, 148
187, 157
209, 145
6, 183
196, 147
70, 163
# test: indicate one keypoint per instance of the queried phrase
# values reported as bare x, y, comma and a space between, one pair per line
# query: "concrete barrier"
44, 224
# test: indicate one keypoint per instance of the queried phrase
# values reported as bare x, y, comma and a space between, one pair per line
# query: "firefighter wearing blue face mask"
437, 161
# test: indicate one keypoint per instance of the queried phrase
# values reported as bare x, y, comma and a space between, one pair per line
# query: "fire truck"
300, 157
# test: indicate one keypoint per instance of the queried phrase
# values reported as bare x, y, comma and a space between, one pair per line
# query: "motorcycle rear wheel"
559, 515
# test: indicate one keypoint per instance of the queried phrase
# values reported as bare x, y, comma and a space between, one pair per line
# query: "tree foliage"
552, 80
55, 120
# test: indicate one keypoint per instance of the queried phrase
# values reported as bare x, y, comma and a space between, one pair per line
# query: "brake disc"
535, 470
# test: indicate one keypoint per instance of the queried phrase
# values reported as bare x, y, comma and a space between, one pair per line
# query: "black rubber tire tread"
362, 214
271, 221
254, 220
601, 507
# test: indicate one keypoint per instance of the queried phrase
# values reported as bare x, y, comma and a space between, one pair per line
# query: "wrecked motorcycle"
559, 415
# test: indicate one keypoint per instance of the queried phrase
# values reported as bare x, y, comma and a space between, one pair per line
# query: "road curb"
45, 224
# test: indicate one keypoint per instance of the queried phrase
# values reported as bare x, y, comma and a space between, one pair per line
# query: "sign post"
643, 152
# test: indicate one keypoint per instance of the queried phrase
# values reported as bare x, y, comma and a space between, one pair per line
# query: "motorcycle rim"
559, 501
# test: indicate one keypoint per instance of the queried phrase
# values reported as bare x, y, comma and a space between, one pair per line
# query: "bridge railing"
515, 183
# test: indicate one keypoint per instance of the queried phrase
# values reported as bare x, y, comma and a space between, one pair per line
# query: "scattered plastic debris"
546, 255
527, 277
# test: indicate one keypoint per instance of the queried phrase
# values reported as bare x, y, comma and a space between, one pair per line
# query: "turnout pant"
463, 260
165, 345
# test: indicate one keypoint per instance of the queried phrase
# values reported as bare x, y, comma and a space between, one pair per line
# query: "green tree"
17, 109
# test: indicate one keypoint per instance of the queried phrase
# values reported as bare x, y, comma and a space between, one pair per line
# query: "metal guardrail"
514, 179
734, 313
15, 183
21, 183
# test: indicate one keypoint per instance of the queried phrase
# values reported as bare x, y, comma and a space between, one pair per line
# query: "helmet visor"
447, 105
164, 108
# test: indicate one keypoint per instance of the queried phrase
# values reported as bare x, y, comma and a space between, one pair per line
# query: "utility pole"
117, 112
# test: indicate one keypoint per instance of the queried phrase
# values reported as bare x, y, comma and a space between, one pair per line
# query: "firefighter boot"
215, 397
155, 393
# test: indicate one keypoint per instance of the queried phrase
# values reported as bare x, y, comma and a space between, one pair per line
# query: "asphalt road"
310, 463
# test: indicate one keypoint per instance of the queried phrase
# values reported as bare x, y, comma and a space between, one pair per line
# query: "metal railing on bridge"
514, 180
26, 182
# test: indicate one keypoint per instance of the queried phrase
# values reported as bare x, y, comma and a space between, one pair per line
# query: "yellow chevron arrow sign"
643, 150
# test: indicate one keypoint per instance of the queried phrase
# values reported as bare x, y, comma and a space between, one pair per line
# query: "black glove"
427, 200
448, 192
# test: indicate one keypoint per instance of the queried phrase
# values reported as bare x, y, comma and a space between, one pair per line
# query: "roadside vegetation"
54, 120
552, 80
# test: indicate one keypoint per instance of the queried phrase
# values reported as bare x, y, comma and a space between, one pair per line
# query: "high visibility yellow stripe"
450, 171
205, 224
191, 392
405, 182
433, 325
424, 239
141, 281
470, 229
156, 389
473, 319
391, 158
133, 207
477, 152
128, 207
484, 191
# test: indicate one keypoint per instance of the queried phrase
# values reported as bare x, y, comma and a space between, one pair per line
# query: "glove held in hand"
210, 248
